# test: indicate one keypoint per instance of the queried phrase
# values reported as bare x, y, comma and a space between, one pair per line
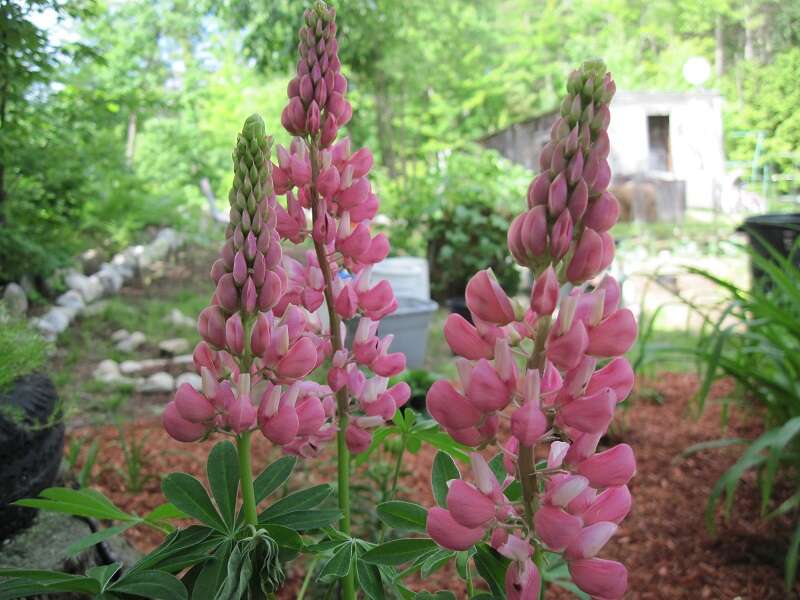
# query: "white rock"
107, 370
110, 278
193, 379
157, 382
132, 342
183, 359
177, 318
130, 366
154, 363
55, 320
119, 335
173, 346
89, 287
72, 300
16, 300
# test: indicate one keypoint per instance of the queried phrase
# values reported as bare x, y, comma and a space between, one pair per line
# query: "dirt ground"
664, 542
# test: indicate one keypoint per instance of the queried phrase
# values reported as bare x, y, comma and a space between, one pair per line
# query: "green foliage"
457, 211
23, 351
754, 338
770, 97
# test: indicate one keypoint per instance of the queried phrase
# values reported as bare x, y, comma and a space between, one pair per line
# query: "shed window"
658, 143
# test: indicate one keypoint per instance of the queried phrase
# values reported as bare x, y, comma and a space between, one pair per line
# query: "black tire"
31, 447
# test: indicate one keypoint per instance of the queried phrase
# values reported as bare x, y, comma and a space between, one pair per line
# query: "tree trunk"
383, 114
130, 147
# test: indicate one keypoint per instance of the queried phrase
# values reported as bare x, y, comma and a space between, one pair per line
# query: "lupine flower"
559, 396
323, 176
252, 295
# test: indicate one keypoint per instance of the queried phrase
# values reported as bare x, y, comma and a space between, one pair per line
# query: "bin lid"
791, 220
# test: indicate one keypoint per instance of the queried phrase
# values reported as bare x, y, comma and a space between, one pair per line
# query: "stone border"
84, 291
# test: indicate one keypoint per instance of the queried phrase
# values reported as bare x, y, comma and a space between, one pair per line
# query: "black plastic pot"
776, 231
458, 305
31, 447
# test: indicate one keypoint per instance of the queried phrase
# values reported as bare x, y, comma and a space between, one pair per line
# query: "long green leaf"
155, 585
189, 495
397, 552
95, 538
403, 515
444, 469
339, 564
302, 499
223, 477
305, 520
273, 477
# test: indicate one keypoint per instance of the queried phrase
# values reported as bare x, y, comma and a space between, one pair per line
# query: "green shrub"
755, 340
22, 349
456, 211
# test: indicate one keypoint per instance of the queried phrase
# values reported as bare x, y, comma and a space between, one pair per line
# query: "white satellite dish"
696, 70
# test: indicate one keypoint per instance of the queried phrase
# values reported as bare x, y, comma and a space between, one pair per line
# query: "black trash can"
778, 231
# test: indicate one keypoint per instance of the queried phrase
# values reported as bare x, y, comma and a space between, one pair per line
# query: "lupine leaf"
273, 477
403, 515
400, 551
444, 469
189, 495
223, 477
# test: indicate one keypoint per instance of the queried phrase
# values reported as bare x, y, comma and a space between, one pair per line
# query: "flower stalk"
555, 394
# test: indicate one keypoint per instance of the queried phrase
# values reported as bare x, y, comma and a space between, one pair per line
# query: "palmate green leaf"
403, 515
82, 503
180, 549
436, 561
300, 500
223, 477
273, 477
155, 585
211, 573
444, 469
164, 512
95, 538
339, 564
189, 495
305, 520
442, 441
397, 552
103, 574
52, 580
369, 580
492, 567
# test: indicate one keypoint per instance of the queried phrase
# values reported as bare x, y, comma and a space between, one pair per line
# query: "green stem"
306, 580
527, 463
342, 401
398, 465
246, 474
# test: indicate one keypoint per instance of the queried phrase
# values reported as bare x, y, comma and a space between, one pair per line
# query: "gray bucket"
409, 324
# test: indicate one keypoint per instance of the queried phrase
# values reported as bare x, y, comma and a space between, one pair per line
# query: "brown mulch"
664, 542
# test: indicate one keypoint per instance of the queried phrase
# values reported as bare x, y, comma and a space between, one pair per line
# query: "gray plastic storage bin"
409, 324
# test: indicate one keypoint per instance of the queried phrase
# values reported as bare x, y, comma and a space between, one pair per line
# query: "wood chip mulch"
664, 542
